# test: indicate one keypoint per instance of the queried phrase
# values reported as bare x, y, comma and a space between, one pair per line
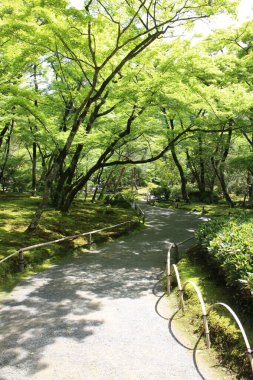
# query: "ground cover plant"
15, 211
224, 333
227, 243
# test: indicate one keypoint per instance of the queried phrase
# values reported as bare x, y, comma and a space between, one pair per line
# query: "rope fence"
140, 213
205, 313
21, 251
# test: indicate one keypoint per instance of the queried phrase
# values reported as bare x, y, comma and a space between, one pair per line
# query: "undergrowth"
224, 333
15, 214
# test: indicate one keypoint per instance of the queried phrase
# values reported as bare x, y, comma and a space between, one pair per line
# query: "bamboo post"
206, 328
90, 240
249, 353
181, 300
239, 324
175, 253
21, 261
168, 272
180, 290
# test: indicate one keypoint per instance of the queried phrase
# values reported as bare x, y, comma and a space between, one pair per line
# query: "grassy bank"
224, 333
219, 209
15, 214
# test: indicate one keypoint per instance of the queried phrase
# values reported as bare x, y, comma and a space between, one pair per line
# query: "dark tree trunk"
34, 165
220, 175
202, 184
105, 185
3, 132
65, 179
97, 186
7, 150
118, 183
198, 177
218, 166
34, 146
183, 179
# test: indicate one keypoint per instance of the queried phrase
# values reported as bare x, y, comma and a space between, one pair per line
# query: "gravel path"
95, 318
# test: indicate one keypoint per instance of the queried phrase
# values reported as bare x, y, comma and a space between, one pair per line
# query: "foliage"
16, 210
87, 89
161, 193
123, 198
229, 243
224, 333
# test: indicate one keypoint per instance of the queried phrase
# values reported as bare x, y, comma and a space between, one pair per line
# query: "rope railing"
21, 251
239, 324
205, 314
139, 211
185, 241
203, 308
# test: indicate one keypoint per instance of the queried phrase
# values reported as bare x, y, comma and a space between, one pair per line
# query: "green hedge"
229, 244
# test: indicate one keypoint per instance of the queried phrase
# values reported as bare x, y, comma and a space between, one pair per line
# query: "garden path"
95, 318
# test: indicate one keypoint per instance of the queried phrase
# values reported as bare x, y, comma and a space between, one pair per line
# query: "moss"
220, 209
15, 215
224, 332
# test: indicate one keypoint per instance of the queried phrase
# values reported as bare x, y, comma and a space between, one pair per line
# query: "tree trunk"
41, 208
3, 132
97, 186
202, 184
64, 180
7, 151
34, 165
183, 179
220, 175
105, 185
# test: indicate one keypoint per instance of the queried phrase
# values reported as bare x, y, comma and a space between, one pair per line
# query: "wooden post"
21, 261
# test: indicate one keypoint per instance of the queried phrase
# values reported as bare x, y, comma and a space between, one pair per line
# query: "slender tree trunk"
97, 186
51, 174
3, 132
34, 165
41, 208
220, 175
118, 182
105, 185
7, 151
201, 167
34, 146
183, 179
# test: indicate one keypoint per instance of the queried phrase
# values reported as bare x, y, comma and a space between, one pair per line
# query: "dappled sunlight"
67, 301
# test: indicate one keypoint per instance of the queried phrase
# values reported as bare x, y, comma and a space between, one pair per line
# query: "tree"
90, 59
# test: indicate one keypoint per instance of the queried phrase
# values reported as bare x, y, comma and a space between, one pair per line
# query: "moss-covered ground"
15, 214
219, 209
224, 333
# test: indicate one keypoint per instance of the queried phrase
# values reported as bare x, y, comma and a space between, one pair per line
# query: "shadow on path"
63, 302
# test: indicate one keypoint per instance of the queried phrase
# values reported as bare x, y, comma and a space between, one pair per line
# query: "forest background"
88, 96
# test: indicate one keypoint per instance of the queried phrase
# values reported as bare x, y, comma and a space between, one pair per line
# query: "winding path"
94, 318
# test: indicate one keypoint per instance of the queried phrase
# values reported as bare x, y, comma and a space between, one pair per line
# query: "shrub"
229, 244
118, 200
161, 193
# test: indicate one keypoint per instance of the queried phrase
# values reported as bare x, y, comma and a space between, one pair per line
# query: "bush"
229, 244
118, 200
161, 193
206, 197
